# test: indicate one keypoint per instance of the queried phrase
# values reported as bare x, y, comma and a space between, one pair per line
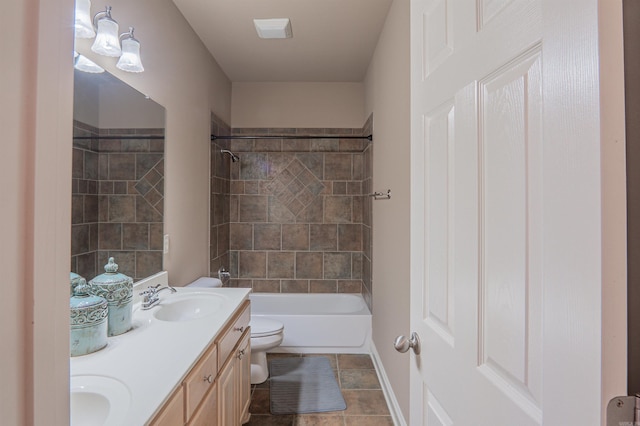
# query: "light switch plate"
165, 244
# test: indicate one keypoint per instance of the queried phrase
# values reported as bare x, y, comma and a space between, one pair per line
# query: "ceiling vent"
273, 28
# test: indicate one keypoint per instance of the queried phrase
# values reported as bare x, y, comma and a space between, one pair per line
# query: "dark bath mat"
304, 385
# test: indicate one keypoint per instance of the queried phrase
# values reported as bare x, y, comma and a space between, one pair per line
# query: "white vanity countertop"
154, 357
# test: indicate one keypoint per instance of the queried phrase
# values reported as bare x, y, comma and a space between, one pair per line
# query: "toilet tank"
206, 282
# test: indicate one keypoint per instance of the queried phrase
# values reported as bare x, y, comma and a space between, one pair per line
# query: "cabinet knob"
241, 354
240, 329
208, 378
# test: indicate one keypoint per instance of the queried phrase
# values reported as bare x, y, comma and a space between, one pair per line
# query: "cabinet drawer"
200, 380
232, 334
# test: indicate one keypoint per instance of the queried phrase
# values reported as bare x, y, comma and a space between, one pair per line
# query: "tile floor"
360, 387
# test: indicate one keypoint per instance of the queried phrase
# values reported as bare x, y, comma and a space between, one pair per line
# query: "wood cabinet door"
227, 391
207, 412
172, 413
243, 358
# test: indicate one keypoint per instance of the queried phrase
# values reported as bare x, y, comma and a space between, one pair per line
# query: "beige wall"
182, 76
297, 105
36, 117
387, 97
35, 168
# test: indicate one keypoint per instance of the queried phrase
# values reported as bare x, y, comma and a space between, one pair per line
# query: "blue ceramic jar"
88, 320
117, 289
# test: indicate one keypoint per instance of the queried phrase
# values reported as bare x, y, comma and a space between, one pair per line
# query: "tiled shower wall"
300, 216
117, 201
219, 198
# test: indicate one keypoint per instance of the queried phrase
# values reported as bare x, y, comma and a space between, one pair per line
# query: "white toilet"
266, 334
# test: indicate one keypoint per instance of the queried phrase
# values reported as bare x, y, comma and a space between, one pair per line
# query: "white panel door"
506, 224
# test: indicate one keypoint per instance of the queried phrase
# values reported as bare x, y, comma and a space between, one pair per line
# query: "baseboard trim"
392, 402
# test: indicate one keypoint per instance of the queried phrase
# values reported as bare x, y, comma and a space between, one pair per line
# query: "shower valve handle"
402, 344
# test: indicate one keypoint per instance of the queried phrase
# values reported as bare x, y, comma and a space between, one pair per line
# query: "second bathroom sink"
98, 400
188, 306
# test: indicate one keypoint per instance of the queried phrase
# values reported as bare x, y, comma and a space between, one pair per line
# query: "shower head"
234, 157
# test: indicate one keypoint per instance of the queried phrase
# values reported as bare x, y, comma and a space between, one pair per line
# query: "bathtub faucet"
150, 296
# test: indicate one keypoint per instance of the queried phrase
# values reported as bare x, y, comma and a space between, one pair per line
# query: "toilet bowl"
266, 334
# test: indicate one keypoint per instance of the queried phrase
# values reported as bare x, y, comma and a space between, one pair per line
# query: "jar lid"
112, 285
111, 275
75, 279
81, 298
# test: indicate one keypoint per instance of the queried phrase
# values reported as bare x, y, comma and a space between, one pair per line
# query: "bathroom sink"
98, 400
188, 307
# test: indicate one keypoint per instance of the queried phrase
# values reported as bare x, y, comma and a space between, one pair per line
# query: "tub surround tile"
350, 286
302, 197
337, 166
145, 212
265, 286
122, 167
79, 239
240, 236
252, 208
148, 263
252, 264
108, 172
122, 208
267, 236
294, 286
295, 237
143, 164
309, 265
135, 236
280, 265
323, 237
337, 265
338, 209
323, 286
350, 237
110, 236
156, 236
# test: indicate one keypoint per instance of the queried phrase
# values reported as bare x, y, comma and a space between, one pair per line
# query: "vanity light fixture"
107, 42
130, 59
83, 25
82, 63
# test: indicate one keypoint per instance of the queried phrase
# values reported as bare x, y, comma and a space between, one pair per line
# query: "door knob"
402, 344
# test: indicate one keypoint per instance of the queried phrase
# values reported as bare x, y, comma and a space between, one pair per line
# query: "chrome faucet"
150, 296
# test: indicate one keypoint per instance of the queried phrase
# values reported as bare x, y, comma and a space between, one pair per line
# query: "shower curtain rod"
214, 137
120, 137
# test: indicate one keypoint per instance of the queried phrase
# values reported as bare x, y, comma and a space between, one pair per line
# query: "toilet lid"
261, 327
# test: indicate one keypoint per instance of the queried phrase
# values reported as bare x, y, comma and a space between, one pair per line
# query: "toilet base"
259, 368
259, 348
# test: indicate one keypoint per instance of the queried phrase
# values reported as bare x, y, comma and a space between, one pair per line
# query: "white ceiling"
333, 40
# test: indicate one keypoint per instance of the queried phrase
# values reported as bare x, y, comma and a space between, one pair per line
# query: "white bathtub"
317, 323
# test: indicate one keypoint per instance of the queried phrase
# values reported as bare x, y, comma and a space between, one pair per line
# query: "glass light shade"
84, 26
85, 64
130, 59
107, 42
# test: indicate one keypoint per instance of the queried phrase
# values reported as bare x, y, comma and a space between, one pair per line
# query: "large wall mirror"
118, 178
